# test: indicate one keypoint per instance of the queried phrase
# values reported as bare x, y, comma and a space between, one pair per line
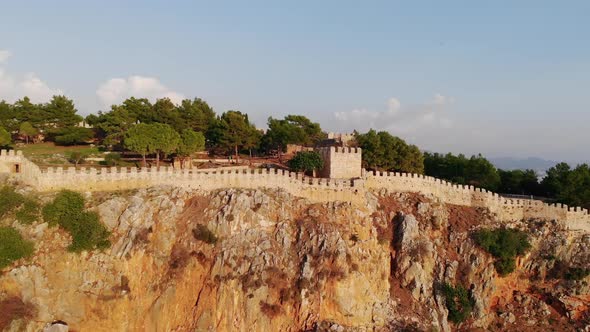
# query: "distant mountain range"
537, 164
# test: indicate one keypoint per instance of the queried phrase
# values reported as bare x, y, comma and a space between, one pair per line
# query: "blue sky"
505, 78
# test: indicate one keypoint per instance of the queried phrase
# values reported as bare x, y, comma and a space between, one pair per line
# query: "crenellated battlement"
115, 178
341, 162
339, 149
507, 209
349, 189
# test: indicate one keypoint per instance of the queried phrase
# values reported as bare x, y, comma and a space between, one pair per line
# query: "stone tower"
341, 162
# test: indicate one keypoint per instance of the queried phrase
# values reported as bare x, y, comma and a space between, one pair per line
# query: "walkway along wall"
506, 209
314, 189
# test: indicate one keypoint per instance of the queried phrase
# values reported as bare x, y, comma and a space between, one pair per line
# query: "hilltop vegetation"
160, 130
67, 211
13, 246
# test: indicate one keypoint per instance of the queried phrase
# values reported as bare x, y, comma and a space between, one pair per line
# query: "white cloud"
4, 55
442, 100
393, 105
12, 88
36, 89
407, 120
116, 90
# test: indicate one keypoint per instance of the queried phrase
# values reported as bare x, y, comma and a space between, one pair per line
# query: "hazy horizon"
501, 79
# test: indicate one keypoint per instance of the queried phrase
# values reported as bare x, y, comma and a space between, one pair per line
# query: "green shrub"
29, 212
77, 157
13, 246
10, 200
505, 266
112, 159
458, 302
202, 233
67, 211
71, 135
576, 273
88, 233
64, 208
505, 245
306, 161
562, 270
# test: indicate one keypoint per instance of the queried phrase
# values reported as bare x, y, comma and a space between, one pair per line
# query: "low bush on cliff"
26, 209
576, 273
202, 233
270, 310
561, 270
505, 245
29, 211
67, 211
66, 206
13, 246
10, 200
458, 302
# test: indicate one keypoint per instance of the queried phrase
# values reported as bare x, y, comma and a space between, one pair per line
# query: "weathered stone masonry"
350, 190
341, 162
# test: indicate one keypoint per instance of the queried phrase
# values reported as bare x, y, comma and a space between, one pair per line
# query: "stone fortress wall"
341, 162
315, 189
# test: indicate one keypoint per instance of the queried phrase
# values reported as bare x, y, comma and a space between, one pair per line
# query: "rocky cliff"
254, 260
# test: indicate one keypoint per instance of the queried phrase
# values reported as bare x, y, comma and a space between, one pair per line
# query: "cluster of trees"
54, 121
112, 126
385, 152
476, 170
562, 183
505, 245
293, 129
158, 129
161, 139
307, 162
163, 128
568, 185
230, 133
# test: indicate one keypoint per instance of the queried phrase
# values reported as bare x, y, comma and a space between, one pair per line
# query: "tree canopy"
5, 138
163, 140
520, 182
138, 139
476, 171
27, 130
385, 152
163, 128
306, 161
152, 138
60, 112
190, 142
232, 131
71, 135
567, 185
293, 129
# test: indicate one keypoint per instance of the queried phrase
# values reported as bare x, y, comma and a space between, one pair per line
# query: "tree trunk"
250, 161
158, 160
143, 160
27, 139
237, 155
280, 150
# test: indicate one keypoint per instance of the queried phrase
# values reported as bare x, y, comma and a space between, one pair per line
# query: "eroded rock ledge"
274, 262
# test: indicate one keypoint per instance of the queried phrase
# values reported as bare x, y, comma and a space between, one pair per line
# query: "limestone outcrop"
265, 260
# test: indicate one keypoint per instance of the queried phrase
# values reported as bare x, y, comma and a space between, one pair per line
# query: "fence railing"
529, 197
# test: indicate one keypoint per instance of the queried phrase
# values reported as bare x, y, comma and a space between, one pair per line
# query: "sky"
501, 78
